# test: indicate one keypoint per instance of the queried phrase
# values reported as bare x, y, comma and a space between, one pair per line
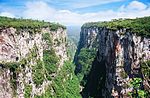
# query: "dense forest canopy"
27, 23
140, 26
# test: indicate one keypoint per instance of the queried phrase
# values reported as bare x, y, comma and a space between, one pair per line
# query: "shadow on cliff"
128, 60
130, 57
95, 81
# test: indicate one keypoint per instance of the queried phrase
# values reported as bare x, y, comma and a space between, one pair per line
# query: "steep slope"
122, 46
34, 61
86, 52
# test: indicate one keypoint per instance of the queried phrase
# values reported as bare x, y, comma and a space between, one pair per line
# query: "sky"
74, 12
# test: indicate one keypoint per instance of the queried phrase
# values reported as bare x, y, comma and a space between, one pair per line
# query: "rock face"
15, 47
118, 59
88, 39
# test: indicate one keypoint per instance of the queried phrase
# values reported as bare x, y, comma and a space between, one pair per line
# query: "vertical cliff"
88, 40
122, 47
31, 55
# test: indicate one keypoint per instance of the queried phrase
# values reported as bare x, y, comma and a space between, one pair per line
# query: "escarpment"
117, 51
31, 55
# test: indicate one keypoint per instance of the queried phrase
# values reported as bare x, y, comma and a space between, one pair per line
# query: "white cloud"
42, 11
38, 10
134, 9
136, 5
7, 14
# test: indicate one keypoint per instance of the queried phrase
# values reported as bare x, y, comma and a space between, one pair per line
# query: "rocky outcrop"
118, 59
17, 46
87, 37
5, 87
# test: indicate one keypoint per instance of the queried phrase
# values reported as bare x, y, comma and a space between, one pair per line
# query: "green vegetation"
145, 68
14, 67
66, 84
85, 59
27, 24
45, 67
34, 51
71, 48
50, 59
28, 90
38, 72
54, 27
137, 91
140, 26
47, 38
50, 62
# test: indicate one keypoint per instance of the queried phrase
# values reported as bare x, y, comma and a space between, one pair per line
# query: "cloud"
7, 14
38, 10
134, 6
43, 11
134, 9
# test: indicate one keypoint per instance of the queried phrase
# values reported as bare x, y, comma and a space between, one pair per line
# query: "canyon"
37, 60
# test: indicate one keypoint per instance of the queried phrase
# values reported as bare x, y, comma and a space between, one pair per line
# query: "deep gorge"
111, 59
37, 60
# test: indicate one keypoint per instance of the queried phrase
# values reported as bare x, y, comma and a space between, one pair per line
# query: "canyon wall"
21, 50
117, 61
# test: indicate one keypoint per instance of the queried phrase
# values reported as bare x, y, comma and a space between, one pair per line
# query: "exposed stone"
14, 47
119, 55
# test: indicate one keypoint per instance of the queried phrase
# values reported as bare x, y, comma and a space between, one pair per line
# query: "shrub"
50, 60
15, 69
38, 73
140, 26
137, 91
33, 25
66, 84
47, 38
28, 90
85, 59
